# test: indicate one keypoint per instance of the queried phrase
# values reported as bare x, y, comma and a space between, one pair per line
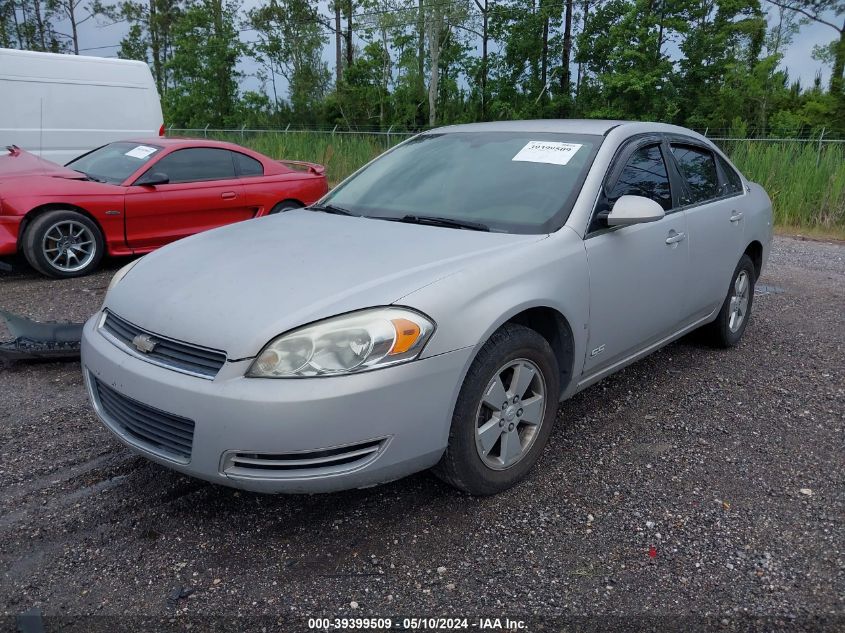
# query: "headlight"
350, 343
120, 274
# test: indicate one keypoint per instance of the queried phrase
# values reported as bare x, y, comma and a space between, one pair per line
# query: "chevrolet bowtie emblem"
144, 343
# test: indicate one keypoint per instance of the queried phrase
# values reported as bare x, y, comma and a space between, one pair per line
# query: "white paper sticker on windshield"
550, 152
141, 151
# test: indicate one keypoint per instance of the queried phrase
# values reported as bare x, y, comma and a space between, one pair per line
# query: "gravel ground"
697, 488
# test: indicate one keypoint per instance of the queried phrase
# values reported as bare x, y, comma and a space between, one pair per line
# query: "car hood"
237, 287
17, 162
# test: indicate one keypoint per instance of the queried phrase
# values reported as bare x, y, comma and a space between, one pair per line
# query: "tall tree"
364, 95
30, 24
421, 28
818, 11
522, 79
565, 75
77, 13
349, 10
436, 34
203, 65
441, 19
338, 46
150, 32
484, 7
622, 46
291, 40
7, 24
585, 13
716, 36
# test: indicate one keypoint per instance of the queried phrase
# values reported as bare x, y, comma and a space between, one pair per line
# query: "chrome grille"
184, 357
157, 431
301, 464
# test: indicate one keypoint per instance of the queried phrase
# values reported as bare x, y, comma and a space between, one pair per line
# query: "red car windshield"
115, 162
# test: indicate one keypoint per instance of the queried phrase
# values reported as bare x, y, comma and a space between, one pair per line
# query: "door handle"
736, 217
228, 195
674, 238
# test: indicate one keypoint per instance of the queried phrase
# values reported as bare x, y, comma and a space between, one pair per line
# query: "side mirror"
154, 178
634, 210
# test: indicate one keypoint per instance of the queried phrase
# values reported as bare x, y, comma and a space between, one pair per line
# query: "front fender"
476, 301
106, 212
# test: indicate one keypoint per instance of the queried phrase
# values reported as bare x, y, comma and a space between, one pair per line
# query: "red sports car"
131, 197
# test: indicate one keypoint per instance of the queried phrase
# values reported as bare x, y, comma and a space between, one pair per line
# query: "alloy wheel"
510, 414
69, 246
740, 296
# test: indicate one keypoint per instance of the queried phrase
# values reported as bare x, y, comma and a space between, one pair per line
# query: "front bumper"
405, 410
9, 226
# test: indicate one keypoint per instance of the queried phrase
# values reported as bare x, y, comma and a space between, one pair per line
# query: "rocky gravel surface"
697, 489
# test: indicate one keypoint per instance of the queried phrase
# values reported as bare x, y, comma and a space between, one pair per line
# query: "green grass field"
807, 187
340, 153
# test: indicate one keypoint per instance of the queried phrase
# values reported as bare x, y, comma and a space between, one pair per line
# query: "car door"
638, 273
712, 204
202, 192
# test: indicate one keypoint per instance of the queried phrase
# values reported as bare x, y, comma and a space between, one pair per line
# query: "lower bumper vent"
301, 464
157, 431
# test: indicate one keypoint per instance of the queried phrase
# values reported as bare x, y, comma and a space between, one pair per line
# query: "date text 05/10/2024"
420, 623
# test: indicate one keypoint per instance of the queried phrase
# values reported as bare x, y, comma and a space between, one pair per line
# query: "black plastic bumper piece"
33, 340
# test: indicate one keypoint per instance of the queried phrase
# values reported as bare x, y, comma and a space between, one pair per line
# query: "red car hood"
15, 162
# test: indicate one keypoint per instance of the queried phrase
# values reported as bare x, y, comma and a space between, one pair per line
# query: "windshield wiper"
90, 177
330, 208
438, 221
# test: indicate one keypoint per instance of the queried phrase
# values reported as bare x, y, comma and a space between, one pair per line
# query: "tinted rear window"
699, 169
196, 164
247, 166
733, 183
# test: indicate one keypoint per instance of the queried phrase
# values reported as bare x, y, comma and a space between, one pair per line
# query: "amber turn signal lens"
407, 333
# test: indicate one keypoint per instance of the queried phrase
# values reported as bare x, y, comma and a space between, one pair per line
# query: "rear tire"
287, 205
63, 244
729, 326
504, 413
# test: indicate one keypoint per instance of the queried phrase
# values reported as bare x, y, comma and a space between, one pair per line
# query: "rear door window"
247, 166
698, 167
197, 164
733, 183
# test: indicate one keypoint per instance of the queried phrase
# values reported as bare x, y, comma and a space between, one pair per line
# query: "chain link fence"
381, 139
804, 175
820, 137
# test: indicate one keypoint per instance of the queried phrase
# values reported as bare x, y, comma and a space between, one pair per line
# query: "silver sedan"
429, 312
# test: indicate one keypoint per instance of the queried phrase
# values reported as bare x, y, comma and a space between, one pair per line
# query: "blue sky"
797, 56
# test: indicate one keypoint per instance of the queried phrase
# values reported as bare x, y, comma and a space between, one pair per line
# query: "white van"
61, 106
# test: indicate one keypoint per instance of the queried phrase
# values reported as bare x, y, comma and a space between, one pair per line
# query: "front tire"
504, 413
729, 326
287, 205
63, 244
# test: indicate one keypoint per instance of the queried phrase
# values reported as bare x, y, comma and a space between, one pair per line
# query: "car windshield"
517, 182
115, 162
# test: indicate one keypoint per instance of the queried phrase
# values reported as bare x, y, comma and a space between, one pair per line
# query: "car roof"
171, 141
573, 126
